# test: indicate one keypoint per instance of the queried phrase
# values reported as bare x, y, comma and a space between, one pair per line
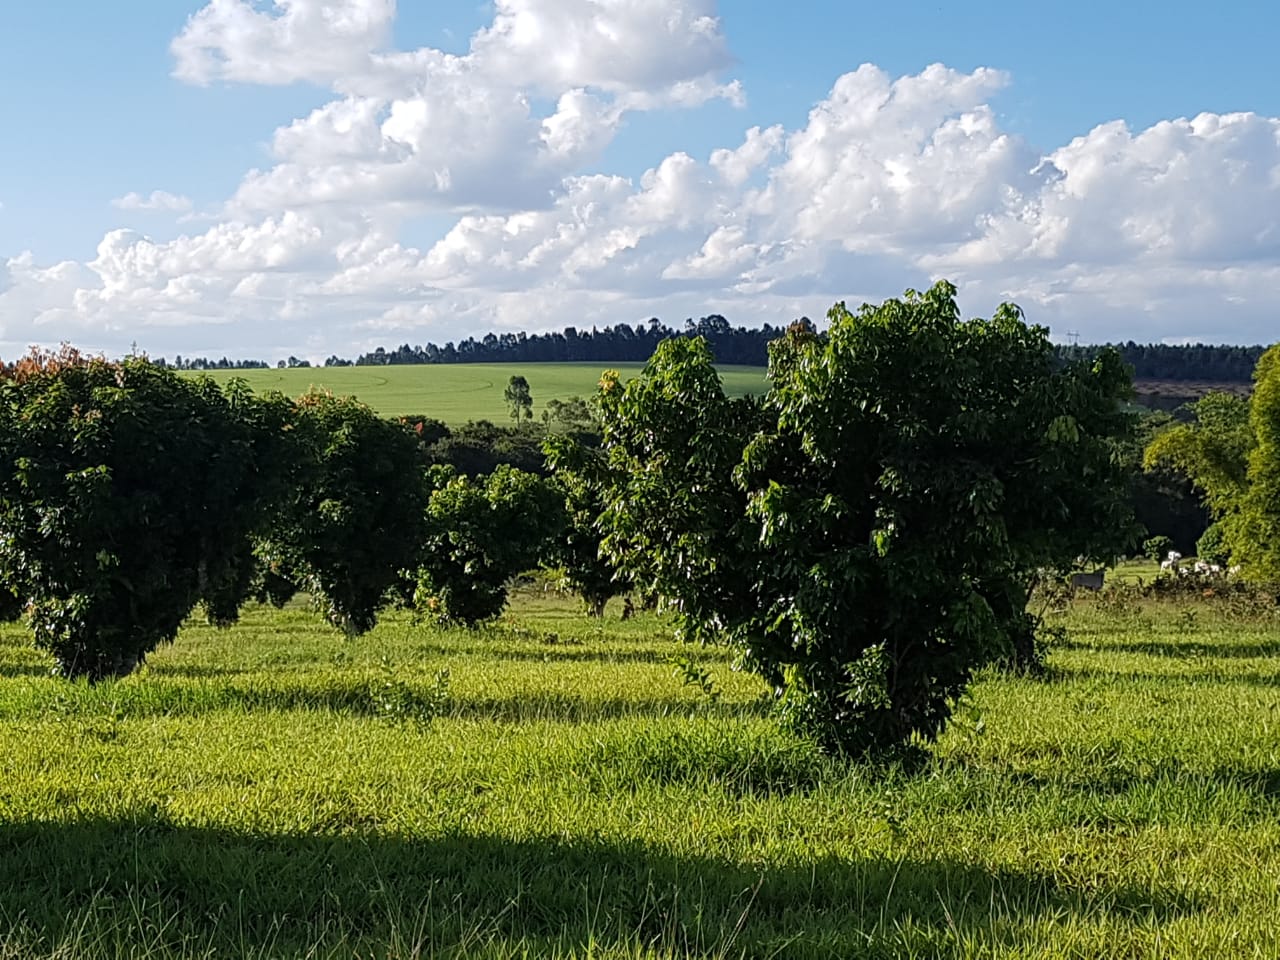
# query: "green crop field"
459, 392
276, 790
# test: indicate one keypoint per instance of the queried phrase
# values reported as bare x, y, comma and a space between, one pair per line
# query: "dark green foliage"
479, 534
271, 585
11, 605
356, 517
479, 446
128, 495
428, 430
574, 413
1212, 547
581, 474
674, 518
1165, 502
869, 533
1212, 450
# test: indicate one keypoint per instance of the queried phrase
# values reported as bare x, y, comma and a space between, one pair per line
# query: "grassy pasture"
274, 791
459, 392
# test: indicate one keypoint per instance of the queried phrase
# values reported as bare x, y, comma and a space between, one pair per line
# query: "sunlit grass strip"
459, 392
245, 796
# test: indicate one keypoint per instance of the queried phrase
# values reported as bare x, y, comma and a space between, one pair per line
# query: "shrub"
1157, 548
1212, 546
477, 448
581, 475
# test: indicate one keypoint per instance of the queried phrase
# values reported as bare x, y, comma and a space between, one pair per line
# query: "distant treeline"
1162, 361
731, 345
749, 346
616, 344
204, 363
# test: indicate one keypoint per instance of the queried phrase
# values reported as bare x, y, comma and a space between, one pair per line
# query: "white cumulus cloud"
157, 200
888, 182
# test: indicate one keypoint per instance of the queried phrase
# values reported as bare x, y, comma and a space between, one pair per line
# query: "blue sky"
442, 202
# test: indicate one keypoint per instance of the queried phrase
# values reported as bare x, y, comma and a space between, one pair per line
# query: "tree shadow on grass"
361, 696
1182, 649
554, 653
196, 671
232, 893
1130, 792
1191, 677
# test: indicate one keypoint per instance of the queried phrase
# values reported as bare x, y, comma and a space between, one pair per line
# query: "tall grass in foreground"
565, 791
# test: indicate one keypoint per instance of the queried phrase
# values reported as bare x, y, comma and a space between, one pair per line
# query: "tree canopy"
1231, 452
479, 534
128, 495
355, 516
864, 532
519, 399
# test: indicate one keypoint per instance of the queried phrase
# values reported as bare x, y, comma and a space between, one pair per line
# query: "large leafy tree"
1231, 452
867, 533
1212, 449
1258, 531
1256, 543
580, 472
479, 534
128, 495
355, 519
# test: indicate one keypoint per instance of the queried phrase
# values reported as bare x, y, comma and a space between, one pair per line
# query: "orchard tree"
519, 399
128, 495
866, 535
355, 520
673, 517
479, 534
581, 474
267, 445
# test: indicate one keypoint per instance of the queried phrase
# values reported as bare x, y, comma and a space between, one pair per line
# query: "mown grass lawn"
275, 790
457, 392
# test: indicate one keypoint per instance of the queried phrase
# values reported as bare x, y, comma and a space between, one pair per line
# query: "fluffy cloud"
320, 41
616, 45
1164, 232
424, 130
37, 303
158, 200
1204, 189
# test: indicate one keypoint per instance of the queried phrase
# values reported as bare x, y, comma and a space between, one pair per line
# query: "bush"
581, 475
1156, 548
1212, 546
428, 430
478, 447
